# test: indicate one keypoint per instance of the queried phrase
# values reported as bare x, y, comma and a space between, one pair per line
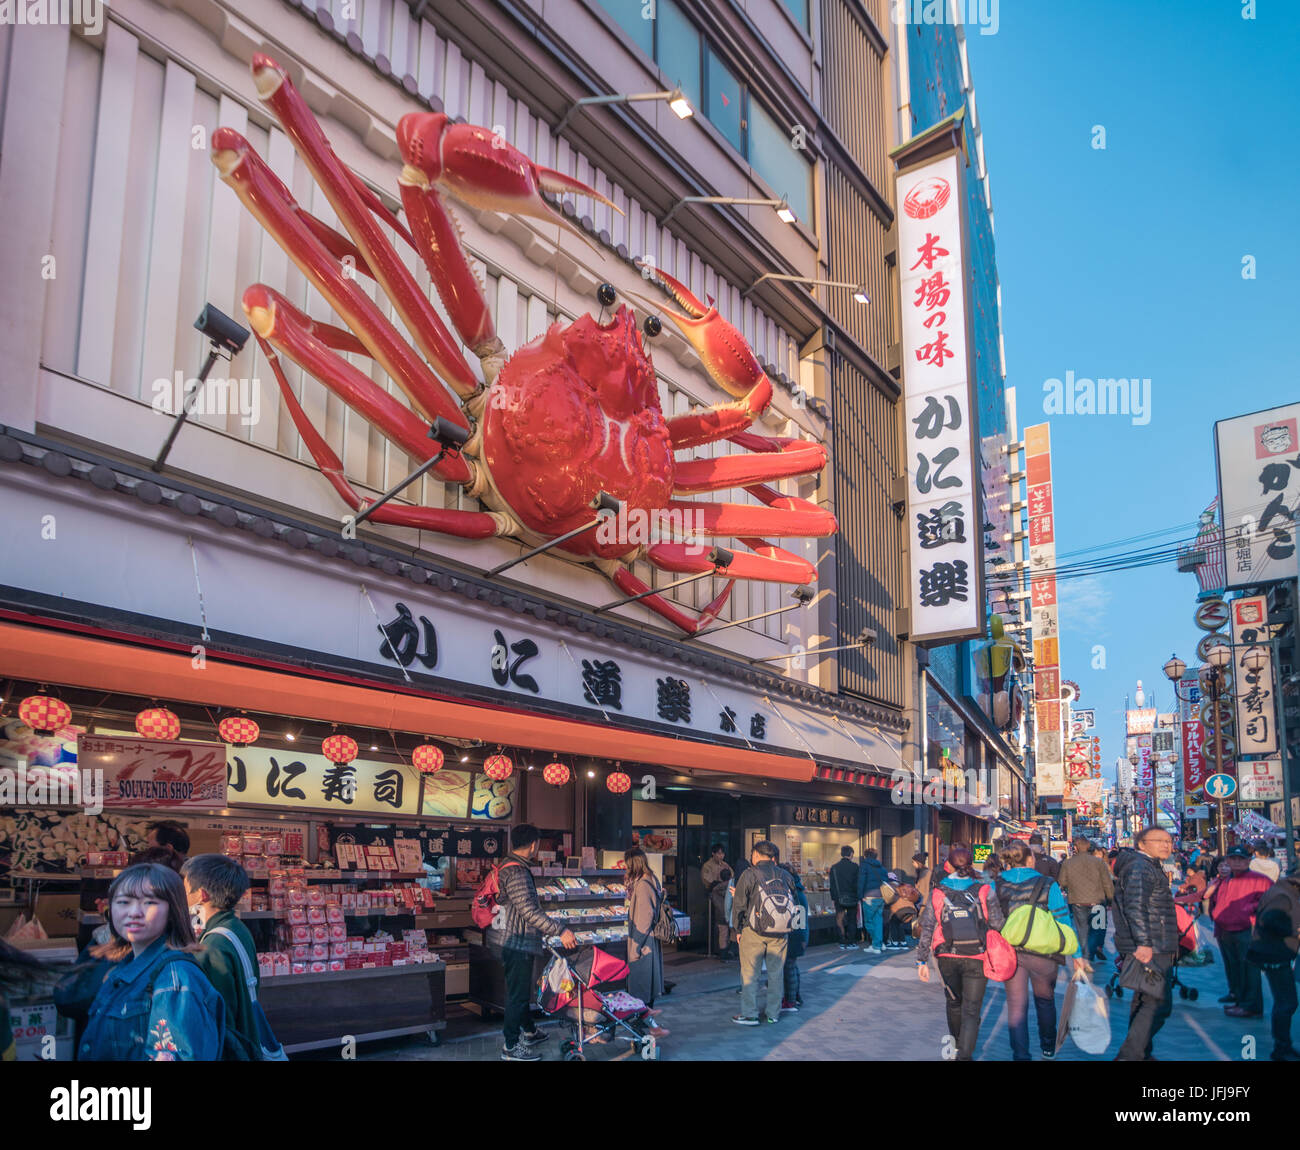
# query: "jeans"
846, 918
1281, 983
519, 988
1147, 1015
754, 949
1091, 938
964, 978
1038, 972
873, 914
1243, 977
790, 976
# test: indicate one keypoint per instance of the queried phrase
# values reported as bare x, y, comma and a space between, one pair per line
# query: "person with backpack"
844, 894
155, 1004
762, 914
1038, 926
214, 884
518, 925
871, 876
791, 999
958, 915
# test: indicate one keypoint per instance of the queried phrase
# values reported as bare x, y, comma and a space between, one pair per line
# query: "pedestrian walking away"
1146, 932
1234, 898
1042, 946
871, 875
844, 894
1086, 882
518, 926
791, 999
763, 915
955, 922
1273, 952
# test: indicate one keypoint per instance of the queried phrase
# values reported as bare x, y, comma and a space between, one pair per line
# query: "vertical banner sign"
1258, 458
1196, 768
1046, 621
944, 517
1256, 734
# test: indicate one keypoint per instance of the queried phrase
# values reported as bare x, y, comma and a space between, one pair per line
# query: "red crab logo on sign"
927, 198
570, 416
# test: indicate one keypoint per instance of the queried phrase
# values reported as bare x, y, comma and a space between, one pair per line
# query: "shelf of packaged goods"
276, 980
343, 875
575, 897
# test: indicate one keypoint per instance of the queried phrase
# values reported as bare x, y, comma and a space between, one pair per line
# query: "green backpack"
1034, 928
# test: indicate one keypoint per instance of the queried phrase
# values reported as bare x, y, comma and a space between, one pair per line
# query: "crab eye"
653, 325
606, 295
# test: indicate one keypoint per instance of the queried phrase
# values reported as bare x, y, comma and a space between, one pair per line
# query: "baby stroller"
581, 989
1187, 947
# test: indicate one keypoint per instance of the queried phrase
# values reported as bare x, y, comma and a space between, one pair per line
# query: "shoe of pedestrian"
1290, 1054
533, 1037
742, 1020
658, 1031
1049, 1053
798, 1002
1229, 998
1242, 1012
519, 1052
769, 1019
876, 950
788, 1007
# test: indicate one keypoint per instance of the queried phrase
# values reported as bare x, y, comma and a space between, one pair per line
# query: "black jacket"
844, 883
1144, 905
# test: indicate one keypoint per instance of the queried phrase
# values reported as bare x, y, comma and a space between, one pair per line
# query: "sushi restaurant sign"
272, 778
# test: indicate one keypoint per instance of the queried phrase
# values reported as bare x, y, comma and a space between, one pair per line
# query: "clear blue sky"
1127, 262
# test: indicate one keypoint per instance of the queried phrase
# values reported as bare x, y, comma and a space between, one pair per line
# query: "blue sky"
1127, 262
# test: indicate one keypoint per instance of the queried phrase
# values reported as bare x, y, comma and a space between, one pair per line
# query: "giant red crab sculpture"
568, 416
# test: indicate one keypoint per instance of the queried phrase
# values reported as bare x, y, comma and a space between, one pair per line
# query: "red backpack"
483, 906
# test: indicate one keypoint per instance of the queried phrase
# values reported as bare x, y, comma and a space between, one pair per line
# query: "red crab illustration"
550, 427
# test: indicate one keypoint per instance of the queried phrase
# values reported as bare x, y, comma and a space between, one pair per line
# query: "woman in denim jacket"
155, 1004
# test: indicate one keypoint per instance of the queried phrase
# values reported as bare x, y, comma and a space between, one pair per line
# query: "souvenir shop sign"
153, 774
801, 815
944, 519
294, 781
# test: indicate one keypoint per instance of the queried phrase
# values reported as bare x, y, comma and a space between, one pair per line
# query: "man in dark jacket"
213, 885
1273, 951
517, 930
871, 873
844, 894
1146, 931
1043, 862
1086, 882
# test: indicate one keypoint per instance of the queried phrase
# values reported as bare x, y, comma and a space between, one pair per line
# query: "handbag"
1142, 978
1038, 928
888, 893
266, 1046
1088, 1019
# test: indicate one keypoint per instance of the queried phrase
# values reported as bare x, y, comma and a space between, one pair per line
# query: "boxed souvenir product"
297, 915
336, 964
300, 953
337, 932
318, 967
410, 855
316, 915
253, 844
296, 894
265, 965
272, 845
281, 962
320, 933
300, 933
334, 913
299, 968
230, 845
315, 896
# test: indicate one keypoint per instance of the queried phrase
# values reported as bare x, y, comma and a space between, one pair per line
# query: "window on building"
723, 99
799, 10
773, 156
633, 17
677, 50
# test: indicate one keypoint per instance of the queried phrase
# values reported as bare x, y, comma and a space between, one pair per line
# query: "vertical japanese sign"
1258, 459
1050, 760
944, 517
1256, 734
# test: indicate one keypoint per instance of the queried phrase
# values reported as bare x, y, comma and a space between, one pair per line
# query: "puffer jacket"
1277, 917
1015, 888
523, 923
871, 873
1144, 905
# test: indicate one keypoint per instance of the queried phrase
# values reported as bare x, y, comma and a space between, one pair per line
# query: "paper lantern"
498, 767
157, 723
557, 774
339, 749
44, 713
427, 758
619, 782
238, 731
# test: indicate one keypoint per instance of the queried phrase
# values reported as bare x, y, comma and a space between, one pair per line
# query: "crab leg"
629, 584
799, 457
735, 519
263, 194
312, 346
447, 521
355, 211
777, 567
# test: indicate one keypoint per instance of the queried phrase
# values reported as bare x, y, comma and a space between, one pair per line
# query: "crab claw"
722, 349
480, 169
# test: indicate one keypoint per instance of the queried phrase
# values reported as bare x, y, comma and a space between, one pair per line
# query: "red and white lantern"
340, 749
620, 782
238, 730
158, 723
44, 713
498, 767
427, 759
557, 774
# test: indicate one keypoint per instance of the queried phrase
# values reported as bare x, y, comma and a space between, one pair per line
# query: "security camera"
221, 329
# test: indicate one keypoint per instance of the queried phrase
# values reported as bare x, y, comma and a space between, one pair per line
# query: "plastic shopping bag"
1089, 1017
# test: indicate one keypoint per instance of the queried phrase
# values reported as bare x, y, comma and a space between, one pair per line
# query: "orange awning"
53, 656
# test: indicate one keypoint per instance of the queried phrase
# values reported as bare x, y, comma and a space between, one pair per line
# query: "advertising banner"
155, 774
1256, 734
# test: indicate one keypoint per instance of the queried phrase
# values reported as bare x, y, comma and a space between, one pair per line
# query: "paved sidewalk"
869, 1007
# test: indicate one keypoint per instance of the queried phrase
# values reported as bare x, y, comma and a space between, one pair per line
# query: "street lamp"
676, 99
1211, 676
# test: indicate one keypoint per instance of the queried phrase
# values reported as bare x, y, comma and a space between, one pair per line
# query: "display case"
812, 851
